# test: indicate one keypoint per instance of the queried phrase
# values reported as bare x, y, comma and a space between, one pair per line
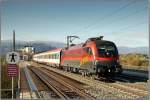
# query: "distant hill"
41, 46
50, 43
139, 50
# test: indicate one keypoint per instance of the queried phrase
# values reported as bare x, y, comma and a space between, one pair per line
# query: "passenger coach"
51, 57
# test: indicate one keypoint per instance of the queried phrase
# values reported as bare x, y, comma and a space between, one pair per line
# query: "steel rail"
133, 89
49, 84
133, 92
81, 93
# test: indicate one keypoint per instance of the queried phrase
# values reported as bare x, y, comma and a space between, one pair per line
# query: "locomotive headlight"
109, 70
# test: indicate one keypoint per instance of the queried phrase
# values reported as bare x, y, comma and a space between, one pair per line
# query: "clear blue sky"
123, 21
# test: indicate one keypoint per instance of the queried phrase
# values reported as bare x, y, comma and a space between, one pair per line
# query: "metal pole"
19, 79
12, 87
14, 40
12, 77
67, 41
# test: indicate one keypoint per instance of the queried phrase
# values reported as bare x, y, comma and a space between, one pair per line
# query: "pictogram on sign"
12, 57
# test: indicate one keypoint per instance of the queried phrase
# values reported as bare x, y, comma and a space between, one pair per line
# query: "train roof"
55, 50
50, 51
97, 41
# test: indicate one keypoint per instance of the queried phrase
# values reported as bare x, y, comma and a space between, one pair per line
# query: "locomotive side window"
88, 50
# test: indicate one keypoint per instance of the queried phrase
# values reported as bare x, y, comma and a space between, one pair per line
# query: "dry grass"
6, 80
135, 61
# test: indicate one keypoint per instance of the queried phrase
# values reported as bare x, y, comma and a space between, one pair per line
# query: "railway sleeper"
71, 94
81, 93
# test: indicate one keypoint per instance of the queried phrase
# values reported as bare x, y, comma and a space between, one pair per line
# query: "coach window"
55, 56
58, 56
52, 56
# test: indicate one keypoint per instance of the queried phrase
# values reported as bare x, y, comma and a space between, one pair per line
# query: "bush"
135, 60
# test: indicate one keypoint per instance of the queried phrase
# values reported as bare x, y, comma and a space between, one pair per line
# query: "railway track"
124, 89
32, 87
63, 89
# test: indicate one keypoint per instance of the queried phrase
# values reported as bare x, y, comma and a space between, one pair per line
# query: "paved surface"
29, 79
134, 73
28, 88
24, 87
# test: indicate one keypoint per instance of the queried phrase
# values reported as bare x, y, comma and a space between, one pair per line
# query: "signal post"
12, 59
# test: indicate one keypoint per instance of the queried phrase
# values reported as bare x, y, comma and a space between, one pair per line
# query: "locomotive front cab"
107, 61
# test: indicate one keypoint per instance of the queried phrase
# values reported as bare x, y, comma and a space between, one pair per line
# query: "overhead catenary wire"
130, 27
107, 16
121, 19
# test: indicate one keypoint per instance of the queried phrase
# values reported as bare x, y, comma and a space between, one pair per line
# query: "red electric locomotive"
95, 56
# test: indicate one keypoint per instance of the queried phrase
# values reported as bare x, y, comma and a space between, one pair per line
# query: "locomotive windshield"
106, 49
